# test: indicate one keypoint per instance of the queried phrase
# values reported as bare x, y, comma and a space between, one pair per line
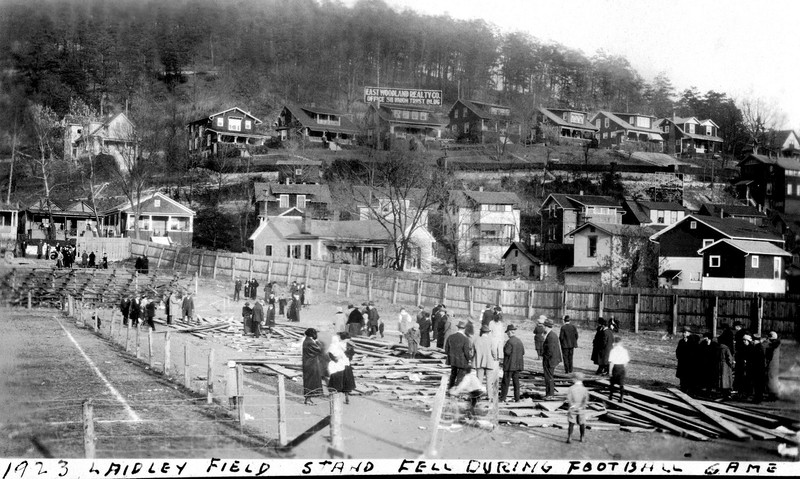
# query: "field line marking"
131, 413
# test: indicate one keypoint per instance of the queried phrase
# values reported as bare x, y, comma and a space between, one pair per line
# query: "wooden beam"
325, 422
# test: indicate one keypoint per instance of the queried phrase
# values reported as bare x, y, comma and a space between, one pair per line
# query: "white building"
482, 223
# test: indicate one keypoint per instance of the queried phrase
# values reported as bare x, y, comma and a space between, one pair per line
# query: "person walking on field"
237, 288
187, 308
601, 347
150, 313
487, 315
424, 321
125, 309
618, 359
458, 350
578, 400
412, 337
247, 317
269, 318
293, 314
513, 363
538, 335
312, 379
568, 337
258, 318
551, 357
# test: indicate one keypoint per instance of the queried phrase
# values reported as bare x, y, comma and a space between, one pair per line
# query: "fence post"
200, 264
369, 287
210, 378
150, 346
96, 321
216, 260
564, 303
338, 280
250, 273
336, 422
196, 281
471, 299
531, 293
188, 262
128, 337
500, 294
282, 438
187, 379
136, 282
138, 343
444, 293
160, 254
419, 291
674, 314
308, 273
240, 393
269, 272
167, 353
88, 429
715, 317
436, 413
760, 322
175, 259
70, 306
111, 324
233, 266
636, 312
289, 273
30, 298
394, 290
347, 283
602, 305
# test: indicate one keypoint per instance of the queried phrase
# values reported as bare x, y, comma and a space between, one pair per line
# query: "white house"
482, 223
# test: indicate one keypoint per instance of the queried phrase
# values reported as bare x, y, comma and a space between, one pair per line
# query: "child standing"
578, 399
617, 361
412, 336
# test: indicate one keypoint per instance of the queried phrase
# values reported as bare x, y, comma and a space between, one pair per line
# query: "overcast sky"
744, 48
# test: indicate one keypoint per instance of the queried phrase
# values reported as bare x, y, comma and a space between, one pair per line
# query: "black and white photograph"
250, 238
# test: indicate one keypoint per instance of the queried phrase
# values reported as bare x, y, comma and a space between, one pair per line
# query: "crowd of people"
67, 256
738, 364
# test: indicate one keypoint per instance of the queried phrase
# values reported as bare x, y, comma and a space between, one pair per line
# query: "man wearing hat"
458, 350
247, 317
487, 315
513, 363
551, 357
484, 359
686, 354
538, 335
601, 346
757, 367
568, 337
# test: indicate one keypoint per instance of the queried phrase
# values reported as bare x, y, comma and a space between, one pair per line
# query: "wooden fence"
117, 249
634, 308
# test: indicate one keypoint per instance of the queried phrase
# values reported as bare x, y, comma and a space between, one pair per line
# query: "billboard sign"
403, 96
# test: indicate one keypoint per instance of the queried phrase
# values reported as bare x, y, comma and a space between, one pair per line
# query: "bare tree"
45, 130
759, 118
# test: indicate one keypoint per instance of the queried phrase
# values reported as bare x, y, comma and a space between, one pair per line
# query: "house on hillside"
770, 183
784, 143
607, 254
228, 131
70, 219
680, 264
288, 168
114, 136
652, 213
482, 223
388, 123
741, 212
379, 203
161, 219
472, 119
292, 200
315, 124
615, 129
9, 221
562, 213
690, 137
744, 266
359, 242
570, 123
518, 260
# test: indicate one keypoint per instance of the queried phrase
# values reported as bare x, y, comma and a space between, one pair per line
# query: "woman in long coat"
293, 314
312, 380
773, 354
424, 330
270, 317
601, 346
258, 318
725, 369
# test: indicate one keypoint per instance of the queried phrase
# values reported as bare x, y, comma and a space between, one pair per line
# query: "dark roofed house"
770, 183
471, 119
484, 223
571, 123
654, 213
71, 219
231, 129
316, 124
615, 129
389, 123
690, 137
161, 219
294, 200
561, 213
742, 212
744, 266
784, 143
9, 223
519, 261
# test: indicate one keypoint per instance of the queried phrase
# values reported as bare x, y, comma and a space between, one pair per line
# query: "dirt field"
45, 378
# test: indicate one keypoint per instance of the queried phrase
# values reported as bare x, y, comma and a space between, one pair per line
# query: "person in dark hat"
247, 317
551, 357
568, 338
485, 358
441, 322
538, 335
513, 363
312, 379
458, 350
487, 315
686, 354
601, 346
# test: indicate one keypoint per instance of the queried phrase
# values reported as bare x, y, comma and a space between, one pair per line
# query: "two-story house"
114, 136
315, 124
744, 266
784, 143
482, 224
680, 264
614, 129
471, 119
413, 204
388, 123
770, 183
292, 200
741, 212
690, 137
606, 254
562, 213
231, 129
161, 219
652, 213
571, 123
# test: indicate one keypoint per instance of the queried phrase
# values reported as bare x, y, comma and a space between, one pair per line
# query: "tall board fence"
634, 308
116, 249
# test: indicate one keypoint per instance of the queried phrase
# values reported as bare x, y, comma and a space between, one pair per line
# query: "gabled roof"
548, 112
662, 205
256, 120
364, 194
624, 124
465, 197
730, 227
126, 205
715, 209
355, 230
269, 191
638, 211
9, 206
616, 229
749, 247
480, 108
303, 115
785, 163
569, 201
782, 135
522, 249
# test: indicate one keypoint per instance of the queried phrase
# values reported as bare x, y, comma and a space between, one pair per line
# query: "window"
307, 251
769, 188
248, 124
707, 242
284, 201
708, 130
301, 202
298, 172
466, 127
423, 115
693, 225
691, 127
513, 269
660, 216
605, 135
234, 124
754, 261
220, 122
605, 123
788, 188
406, 114
673, 217
714, 261
776, 267
592, 246
456, 112
415, 115
268, 250
157, 202
295, 251
516, 254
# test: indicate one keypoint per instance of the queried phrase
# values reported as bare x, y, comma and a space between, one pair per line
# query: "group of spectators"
140, 308
66, 256
736, 364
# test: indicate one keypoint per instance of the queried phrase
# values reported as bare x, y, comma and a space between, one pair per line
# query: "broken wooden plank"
715, 417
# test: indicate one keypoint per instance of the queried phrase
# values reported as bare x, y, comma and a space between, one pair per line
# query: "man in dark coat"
135, 311
513, 363
458, 350
441, 325
538, 335
125, 309
237, 288
247, 317
727, 338
757, 368
487, 315
312, 380
187, 308
269, 317
551, 357
373, 319
740, 356
568, 338
424, 322
254, 289
247, 288
92, 258
150, 313
601, 347
258, 318
724, 370
355, 322
686, 354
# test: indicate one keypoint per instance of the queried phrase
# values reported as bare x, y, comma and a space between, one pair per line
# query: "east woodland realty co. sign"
398, 96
